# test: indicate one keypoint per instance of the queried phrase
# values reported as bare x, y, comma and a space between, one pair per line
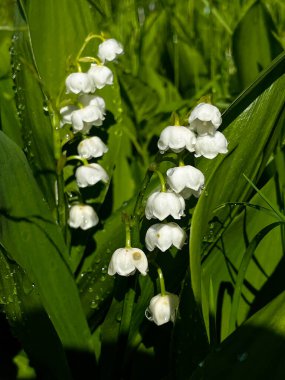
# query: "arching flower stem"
161, 281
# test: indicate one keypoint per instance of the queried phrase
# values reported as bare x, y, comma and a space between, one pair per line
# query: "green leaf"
243, 269
254, 45
39, 247
254, 351
29, 321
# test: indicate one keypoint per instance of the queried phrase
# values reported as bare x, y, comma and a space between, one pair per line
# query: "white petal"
109, 49
178, 235
211, 146
162, 204
79, 83
163, 235
86, 117
82, 216
65, 113
92, 100
176, 138
139, 260
121, 262
100, 75
182, 177
163, 308
205, 119
89, 175
91, 147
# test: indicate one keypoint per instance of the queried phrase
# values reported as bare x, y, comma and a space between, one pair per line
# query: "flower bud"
162, 204
164, 235
176, 138
79, 83
125, 261
210, 146
89, 175
162, 309
82, 216
109, 49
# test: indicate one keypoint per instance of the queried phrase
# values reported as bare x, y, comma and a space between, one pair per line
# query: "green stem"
162, 180
79, 158
128, 235
86, 42
61, 209
161, 282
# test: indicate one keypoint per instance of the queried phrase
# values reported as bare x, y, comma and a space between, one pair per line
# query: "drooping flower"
164, 235
210, 146
100, 75
77, 83
185, 180
176, 138
82, 216
205, 119
125, 261
83, 118
91, 147
162, 308
65, 113
92, 100
109, 49
89, 175
162, 204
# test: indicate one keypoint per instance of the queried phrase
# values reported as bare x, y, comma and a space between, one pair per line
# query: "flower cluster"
88, 110
202, 138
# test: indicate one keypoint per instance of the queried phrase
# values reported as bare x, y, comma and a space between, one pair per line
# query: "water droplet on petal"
148, 315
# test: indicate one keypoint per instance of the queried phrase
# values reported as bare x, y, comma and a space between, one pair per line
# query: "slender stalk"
161, 282
162, 180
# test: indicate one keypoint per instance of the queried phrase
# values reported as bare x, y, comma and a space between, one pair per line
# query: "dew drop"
90, 290
148, 315
242, 357
93, 304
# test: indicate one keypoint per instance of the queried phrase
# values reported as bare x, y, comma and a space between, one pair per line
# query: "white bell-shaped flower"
176, 138
91, 147
82, 216
89, 175
205, 119
125, 261
92, 100
83, 119
65, 113
162, 204
185, 180
109, 49
162, 308
100, 75
77, 83
210, 146
164, 235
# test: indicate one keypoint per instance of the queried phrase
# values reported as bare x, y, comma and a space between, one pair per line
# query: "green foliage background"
62, 316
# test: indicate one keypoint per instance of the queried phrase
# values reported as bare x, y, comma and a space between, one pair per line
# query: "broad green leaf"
254, 45
226, 254
39, 247
253, 351
29, 321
